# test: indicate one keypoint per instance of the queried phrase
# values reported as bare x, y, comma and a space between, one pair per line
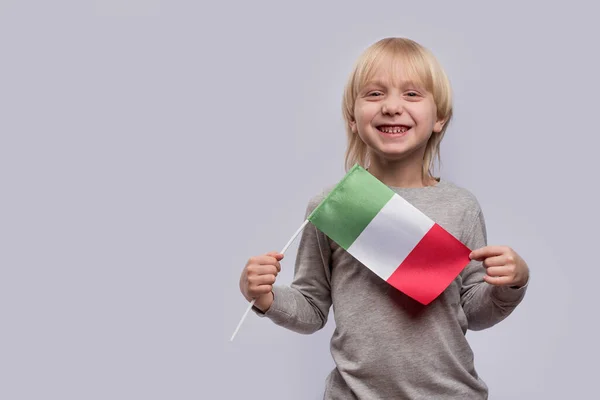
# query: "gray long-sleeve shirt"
385, 344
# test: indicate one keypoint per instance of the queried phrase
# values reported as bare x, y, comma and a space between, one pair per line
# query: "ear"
439, 125
353, 126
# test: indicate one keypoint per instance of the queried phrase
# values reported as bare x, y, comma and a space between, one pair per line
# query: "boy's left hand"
504, 266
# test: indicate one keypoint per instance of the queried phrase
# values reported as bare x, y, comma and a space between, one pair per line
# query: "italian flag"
390, 236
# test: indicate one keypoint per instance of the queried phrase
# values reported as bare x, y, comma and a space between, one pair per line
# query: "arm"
303, 307
483, 303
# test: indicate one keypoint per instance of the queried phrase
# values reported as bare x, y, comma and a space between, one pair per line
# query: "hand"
504, 266
258, 277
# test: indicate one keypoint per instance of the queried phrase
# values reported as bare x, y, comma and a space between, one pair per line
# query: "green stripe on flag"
350, 206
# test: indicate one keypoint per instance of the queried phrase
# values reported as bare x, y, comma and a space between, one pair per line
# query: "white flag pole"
254, 300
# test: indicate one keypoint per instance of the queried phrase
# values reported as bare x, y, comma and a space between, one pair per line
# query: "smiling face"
394, 115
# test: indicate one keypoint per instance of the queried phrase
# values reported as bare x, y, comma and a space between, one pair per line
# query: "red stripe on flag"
431, 266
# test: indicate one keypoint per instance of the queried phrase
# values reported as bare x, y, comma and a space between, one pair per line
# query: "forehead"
397, 71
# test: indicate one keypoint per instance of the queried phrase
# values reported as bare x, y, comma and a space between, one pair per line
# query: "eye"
375, 93
412, 94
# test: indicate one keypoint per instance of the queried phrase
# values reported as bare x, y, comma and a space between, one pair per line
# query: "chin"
394, 152
390, 156
397, 153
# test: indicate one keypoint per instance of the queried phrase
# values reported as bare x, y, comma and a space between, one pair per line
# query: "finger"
498, 280
496, 261
258, 270
260, 280
487, 251
277, 255
265, 288
498, 271
273, 261
260, 290
265, 260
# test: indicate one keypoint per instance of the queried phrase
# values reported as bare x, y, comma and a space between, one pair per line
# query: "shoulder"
452, 193
471, 218
462, 213
317, 198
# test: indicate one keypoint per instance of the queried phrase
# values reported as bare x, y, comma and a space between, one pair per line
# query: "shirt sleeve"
484, 305
304, 305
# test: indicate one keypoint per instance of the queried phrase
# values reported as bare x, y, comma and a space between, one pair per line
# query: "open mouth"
393, 129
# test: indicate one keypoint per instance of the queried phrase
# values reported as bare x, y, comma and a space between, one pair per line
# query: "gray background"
148, 148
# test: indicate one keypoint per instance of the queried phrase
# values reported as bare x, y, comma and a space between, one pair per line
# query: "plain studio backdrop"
149, 148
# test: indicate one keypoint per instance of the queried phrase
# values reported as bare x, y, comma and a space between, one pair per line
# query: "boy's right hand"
258, 277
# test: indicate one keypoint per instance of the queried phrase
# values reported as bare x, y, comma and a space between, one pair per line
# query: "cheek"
426, 117
365, 116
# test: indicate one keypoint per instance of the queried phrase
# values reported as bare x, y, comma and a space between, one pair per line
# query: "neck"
399, 173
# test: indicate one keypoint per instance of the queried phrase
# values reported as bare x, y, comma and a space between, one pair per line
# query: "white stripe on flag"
390, 236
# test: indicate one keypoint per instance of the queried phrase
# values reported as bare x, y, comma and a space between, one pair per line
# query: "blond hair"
422, 67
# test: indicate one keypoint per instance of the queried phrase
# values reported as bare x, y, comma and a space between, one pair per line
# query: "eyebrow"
403, 83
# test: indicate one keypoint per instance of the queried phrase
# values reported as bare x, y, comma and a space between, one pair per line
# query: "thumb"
479, 254
277, 255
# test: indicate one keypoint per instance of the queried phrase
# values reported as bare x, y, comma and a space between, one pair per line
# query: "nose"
391, 106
